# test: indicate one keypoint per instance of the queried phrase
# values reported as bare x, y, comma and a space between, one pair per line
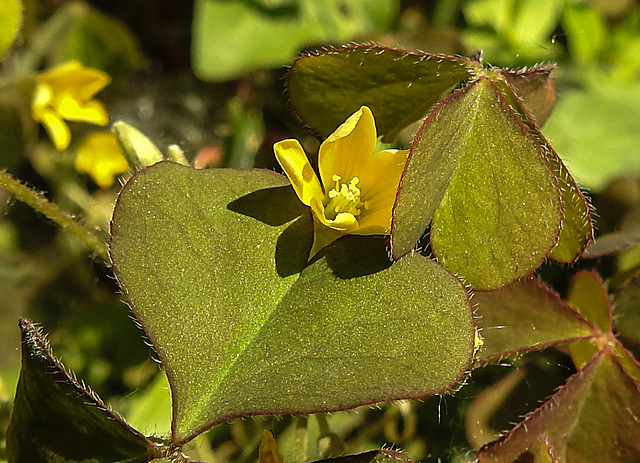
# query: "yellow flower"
65, 93
358, 187
99, 156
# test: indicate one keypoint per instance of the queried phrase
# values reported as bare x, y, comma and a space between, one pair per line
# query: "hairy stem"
38, 202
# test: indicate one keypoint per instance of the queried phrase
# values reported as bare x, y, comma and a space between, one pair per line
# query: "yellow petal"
56, 128
379, 182
42, 97
99, 156
348, 148
73, 77
268, 451
296, 166
75, 110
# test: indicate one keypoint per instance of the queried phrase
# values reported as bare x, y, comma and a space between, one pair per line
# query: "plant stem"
300, 446
37, 201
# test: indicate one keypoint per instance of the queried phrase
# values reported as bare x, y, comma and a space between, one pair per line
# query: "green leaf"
592, 418
536, 89
213, 261
586, 30
525, 316
593, 132
400, 87
233, 37
480, 174
10, 22
150, 408
55, 418
95, 39
627, 310
589, 297
610, 243
577, 227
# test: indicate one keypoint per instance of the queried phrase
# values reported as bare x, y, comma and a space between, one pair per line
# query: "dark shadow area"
274, 207
293, 246
354, 256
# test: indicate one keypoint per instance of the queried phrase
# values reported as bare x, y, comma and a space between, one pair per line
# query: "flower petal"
56, 128
348, 148
73, 109
296, 166
379, 186
99, 156
42, 97
73, 77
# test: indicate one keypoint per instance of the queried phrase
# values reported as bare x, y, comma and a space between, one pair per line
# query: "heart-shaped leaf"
627, 310
55, 418
536, 89
577, 227
515, 395
399, 86
524, 316
479, 173
593, 418
213, 265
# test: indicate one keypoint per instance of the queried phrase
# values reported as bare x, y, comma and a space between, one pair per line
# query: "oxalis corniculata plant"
388, 272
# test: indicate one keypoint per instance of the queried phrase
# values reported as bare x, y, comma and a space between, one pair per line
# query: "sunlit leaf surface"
479, 173
213, 263
399, 86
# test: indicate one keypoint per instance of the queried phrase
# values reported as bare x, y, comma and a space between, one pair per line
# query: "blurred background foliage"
209, 76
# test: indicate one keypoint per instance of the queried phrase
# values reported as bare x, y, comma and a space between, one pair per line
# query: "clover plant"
386, 268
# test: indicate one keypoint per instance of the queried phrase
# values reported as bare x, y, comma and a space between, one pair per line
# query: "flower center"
344, 197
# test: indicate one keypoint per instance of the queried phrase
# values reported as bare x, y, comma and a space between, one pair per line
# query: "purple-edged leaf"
588, 296
577, 226
508, 400
611, 243
536, 89
627, 310
213, 263
399, 86
525, 316
479, 173
55, 418
592, 418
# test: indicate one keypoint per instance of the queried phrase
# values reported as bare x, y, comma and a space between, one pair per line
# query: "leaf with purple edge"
399, 86
480, 177
213, 263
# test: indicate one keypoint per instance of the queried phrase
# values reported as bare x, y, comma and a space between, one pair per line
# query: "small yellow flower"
65, 93
358, 187
99, 156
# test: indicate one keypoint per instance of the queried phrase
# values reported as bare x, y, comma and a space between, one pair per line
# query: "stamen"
344, 198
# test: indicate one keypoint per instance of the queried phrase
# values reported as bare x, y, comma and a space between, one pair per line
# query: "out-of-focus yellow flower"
357, 186
65, 93
268, 451
99, 156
